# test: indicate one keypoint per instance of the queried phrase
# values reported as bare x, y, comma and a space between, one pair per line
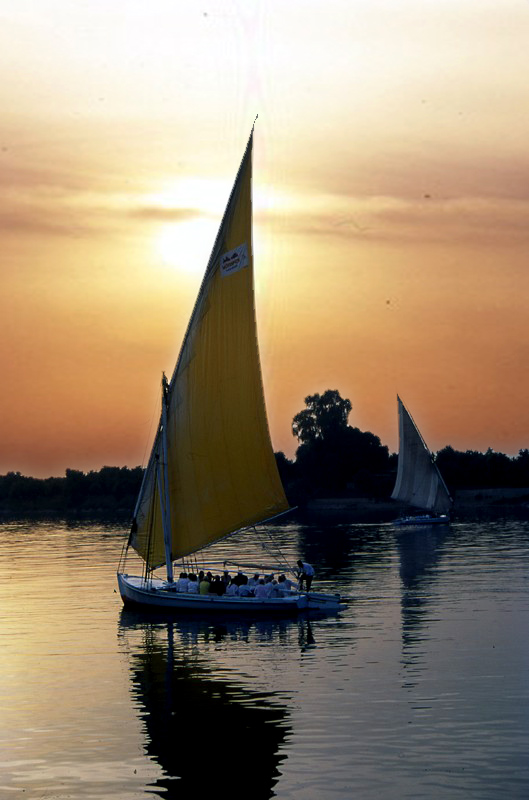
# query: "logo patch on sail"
234, 260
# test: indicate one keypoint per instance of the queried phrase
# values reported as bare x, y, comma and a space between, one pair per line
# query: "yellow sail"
221, 470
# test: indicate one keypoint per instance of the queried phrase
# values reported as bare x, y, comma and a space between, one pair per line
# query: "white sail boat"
419, 482
212, 470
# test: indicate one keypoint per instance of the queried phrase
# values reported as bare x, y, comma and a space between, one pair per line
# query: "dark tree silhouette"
475, 470
112, 489
331, 454
325, 416
286, 468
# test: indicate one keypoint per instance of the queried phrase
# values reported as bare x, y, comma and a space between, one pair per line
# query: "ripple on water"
417, 689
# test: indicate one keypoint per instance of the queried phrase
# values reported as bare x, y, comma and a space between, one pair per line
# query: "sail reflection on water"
202, 728
419, 554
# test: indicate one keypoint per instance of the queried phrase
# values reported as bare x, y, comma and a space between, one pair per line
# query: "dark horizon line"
276, 452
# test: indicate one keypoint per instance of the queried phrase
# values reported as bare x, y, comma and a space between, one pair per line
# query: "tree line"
333, 459
336, 459
111, 489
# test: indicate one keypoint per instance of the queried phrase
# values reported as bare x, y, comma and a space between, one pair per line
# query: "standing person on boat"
306, 574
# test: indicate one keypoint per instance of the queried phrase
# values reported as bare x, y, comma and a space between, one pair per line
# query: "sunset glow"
390, 208
186, 245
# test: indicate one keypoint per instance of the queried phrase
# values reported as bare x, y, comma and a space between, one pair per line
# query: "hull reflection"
206, 733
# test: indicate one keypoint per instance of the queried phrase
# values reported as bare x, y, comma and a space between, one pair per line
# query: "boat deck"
157, 593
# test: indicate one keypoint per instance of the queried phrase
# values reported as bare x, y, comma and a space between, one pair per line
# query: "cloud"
412, 197
44, 201
423, 219
164, 214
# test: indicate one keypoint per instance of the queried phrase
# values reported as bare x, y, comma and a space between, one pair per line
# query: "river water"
419, 688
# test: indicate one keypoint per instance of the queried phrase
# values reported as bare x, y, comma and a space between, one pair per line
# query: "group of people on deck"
262, 586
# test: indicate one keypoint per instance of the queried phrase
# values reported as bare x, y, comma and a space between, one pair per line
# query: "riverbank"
475, 503
468, 503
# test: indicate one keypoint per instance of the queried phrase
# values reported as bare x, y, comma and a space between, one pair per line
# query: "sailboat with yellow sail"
212, 470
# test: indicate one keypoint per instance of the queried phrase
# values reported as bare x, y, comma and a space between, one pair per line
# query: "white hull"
423, 519
157, 594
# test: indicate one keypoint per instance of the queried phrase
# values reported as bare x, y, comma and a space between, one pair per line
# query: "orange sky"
391, 206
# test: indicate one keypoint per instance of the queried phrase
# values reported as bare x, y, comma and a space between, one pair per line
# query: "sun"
185, 242
187, 245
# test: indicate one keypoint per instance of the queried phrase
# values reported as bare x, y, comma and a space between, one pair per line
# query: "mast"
165, 502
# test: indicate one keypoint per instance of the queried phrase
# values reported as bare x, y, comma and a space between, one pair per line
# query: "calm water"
418, 689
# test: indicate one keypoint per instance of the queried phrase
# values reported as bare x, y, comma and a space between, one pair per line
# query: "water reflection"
204, 727
334, 548
92, 715
419, 552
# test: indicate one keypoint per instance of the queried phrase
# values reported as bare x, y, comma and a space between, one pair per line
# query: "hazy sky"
391, 176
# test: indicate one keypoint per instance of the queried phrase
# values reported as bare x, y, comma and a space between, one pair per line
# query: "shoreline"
467, 503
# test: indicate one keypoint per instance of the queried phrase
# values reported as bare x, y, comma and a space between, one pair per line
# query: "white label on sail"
234, 260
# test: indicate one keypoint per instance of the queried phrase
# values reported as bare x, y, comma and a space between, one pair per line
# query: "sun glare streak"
210, 196
186, 244
206, 196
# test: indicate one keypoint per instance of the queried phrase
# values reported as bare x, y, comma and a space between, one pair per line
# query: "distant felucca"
212, 470
419, 482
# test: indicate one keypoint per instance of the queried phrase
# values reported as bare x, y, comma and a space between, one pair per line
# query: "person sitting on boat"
192, 583
252, 583
182, 582
305, 574
204, 584
233, 589
240, 578
283, 586
245, 590
260, 590
277, 590
286, 583
217, 586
